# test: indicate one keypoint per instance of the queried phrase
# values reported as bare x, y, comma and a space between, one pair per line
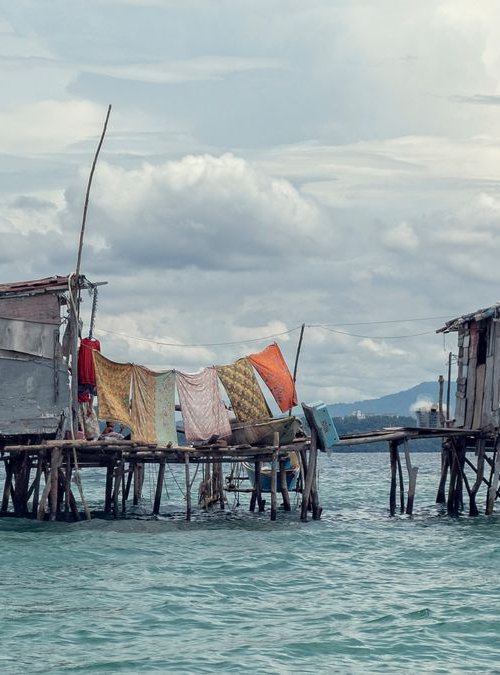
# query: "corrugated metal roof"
36, 285
478, 315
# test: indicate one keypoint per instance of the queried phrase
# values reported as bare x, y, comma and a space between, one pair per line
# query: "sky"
267, 163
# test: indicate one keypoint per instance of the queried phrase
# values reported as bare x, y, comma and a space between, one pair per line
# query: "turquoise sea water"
231, 592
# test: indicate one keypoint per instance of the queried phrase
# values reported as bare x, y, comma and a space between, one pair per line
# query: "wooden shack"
35, 396
478, 391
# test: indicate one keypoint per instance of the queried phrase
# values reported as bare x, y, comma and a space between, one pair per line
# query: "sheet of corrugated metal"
28, 337
32, 396
46, 284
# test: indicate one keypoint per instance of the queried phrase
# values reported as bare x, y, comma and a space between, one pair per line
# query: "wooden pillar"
445, 465
55, 462
7, 489
116, 488
188, 486
159, 487
136, 484
130, 475
284, 486
412, 479
473, 510
401, 485
493, 488
108, 493
67, 488
36, 482
393, 454
274, 483
310, 471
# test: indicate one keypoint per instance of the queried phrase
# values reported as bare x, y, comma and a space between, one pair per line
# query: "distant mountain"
394, 404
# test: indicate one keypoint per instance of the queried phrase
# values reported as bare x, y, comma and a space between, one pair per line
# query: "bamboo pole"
296, 364
274, 475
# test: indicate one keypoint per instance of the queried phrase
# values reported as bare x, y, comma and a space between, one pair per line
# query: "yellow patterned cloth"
113, 381
247, 399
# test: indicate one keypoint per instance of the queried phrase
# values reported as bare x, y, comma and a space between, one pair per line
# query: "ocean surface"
232, 592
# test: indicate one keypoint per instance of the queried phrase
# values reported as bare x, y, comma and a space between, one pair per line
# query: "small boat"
262, 432
292, 472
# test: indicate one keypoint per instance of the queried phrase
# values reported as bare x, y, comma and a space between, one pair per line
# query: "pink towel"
202, 406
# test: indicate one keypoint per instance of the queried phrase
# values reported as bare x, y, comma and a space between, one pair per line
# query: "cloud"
201, 211
401, 238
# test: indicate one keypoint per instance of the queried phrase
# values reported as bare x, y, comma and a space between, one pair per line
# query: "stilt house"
478, 380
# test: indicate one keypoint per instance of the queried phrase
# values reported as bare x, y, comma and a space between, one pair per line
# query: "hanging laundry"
113, 382
202, 406
272, 368
86, 370
245, 394
153, 406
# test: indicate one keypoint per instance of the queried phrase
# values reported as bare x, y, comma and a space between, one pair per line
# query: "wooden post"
253, 498
309, 475
296, 364
117, 484
473, 510
284, 486
274, 476
124, 498
188, 486
393, 453
412, 479
130, 474
7, 485
80, 486
159, 487
445, 465
401, 485
108, 493
448, 389
492, 491
136, 484
67, 488
36, 483
54, 481
440, 401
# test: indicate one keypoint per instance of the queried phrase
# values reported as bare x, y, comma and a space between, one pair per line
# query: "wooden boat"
262, 433
292, 472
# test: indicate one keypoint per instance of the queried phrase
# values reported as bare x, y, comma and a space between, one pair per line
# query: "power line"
373, 323
206, 344
374, 337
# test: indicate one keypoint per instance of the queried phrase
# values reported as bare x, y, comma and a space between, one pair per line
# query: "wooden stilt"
140, 478
55, 462
71, 497
80, 486
136, 484
67, 488
108, 494
412, 480
130, 475
473, 510
188, 486
310, 472
401, 485
284, 486
274, 481
36, 484
445, 465
159, 487
7, 485
124, 499
492, 491
393, 453
116, 488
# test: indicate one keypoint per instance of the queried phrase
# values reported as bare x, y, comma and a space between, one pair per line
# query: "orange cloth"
272, 368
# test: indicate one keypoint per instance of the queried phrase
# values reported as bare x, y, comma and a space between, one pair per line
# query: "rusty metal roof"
46, 285
479, 315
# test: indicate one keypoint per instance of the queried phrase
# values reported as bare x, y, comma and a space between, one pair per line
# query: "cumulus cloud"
201, 211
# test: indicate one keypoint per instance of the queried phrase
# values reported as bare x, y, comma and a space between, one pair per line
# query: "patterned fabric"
272, 368
202, 407
247, 399
113, 389
153, 406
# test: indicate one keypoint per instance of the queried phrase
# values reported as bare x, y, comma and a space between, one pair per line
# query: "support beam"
159, 487
188, 486
311, 471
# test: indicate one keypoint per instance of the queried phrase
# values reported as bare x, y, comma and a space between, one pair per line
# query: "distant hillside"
393, 404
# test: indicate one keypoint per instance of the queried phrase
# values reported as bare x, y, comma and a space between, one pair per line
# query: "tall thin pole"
296, 364
87, 194
448, 388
